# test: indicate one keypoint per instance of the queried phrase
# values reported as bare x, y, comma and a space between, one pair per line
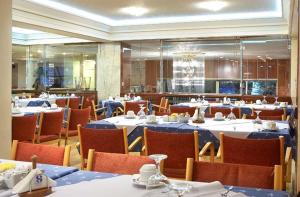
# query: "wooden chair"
267, 177
264, 152
75, 117
177, 146
134, 106
24, 128
116, 162
73, 103
182, 109
103, 140
96, 112
61, 102
50, 126
46, 154
225, 111
162, 107
265, 114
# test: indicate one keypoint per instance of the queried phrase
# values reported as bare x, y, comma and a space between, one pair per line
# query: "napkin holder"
40, 192
198, 116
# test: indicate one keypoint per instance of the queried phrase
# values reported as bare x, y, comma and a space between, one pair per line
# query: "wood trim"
41, 117
68, 124
67, 155
125, 140
222, 146
94, 109
145, 141
196, 145
90, 159
189, 169
13, 152
281, 139
82, 161
278, 180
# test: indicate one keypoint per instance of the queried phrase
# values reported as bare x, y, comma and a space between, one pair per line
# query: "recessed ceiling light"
134, 11
214, 5
64, 53
39, 51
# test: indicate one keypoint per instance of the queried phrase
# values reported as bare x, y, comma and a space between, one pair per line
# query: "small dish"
136, 181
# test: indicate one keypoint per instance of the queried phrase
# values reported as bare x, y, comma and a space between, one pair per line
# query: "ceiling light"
214, 5
134, 11
64, 53
39, 51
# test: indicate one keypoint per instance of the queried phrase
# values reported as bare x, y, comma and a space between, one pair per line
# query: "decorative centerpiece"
198, 116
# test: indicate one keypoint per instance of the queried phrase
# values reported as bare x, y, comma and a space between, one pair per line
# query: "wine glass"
257, 119
157, 177
276, 100
199, 98
141, 113
231, 116
180, 188
264, 100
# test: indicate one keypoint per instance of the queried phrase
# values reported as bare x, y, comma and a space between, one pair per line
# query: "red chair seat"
45, 138
71, 132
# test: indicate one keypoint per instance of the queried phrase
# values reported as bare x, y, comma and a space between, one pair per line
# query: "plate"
136, 181
217, 119
151, 122
265, 128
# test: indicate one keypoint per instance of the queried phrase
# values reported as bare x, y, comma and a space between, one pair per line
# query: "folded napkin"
213, 189
35, 179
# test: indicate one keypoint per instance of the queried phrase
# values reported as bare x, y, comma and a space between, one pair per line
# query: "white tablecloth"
34, 110
121, 186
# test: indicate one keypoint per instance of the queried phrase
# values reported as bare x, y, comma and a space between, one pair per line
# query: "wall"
5, 79
108, 70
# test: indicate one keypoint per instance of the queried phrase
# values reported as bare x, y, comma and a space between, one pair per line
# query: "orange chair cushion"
182, 109
177, 146
134, 106
46, 154
102, 140
234, 174
52, 123
70, 132
79, 116
119, 163
74, 103
46, 138
265, 152
23, 128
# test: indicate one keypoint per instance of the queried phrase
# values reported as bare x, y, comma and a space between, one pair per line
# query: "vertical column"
5, 76
108, 70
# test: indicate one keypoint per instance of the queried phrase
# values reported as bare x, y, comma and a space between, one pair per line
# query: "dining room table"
23, 111
91, 184
207, 131
246, 108
112, 105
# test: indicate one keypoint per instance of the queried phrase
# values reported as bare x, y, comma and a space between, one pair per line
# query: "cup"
151, 118
53, 106
130, 113
282, 104
165, 118
146, 171
110, 98
219, 115
258, 102
193, 100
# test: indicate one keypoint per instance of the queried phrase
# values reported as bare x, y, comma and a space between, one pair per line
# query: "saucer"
136, 181
219, 119
129, 117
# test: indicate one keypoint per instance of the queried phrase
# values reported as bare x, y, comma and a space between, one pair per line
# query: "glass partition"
56, 66
250, 66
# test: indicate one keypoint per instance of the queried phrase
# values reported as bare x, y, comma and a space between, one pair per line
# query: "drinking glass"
180, 188
141, 114
276, 100
257, 119
264, 100
158, 177
231, 116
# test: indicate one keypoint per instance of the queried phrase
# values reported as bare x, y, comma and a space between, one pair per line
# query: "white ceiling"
102, 20
160, 11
